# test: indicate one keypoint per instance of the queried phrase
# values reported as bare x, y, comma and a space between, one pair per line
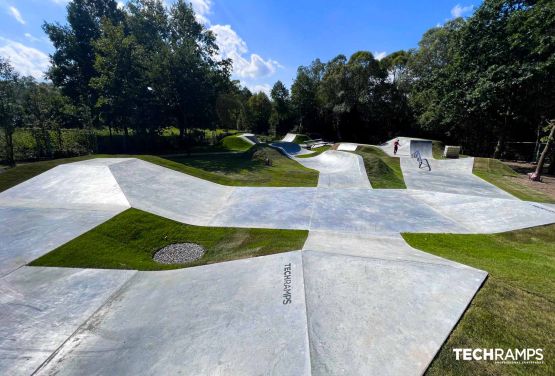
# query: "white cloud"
26, 60
31, 37
380, 55
232, 46
15, 14
121, 5
257, 88
460, 11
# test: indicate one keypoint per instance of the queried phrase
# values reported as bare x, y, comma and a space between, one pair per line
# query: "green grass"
129, 240
516, 306
235, 143
315, 152
244, 169
240, 169
301, 139
383, 171
501, 175
437, 149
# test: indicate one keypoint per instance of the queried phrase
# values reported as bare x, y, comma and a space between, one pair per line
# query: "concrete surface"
250, 138
224, 319
404, 146
338, 169
40, 308
449, 176
346, 146
290, 148
289, 137
379, 317
363, 301
424, 147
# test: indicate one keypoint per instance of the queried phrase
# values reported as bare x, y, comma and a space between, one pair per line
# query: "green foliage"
235, 143
315, 152
129, 240
259, 109
514, 309
384, 172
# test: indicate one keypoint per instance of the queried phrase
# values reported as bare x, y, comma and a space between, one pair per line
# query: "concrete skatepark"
362, 300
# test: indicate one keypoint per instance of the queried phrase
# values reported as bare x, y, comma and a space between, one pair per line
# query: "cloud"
26, 60
31, 37
202, 10
461, 11
233, 47
15, 14
380, 55
257, 88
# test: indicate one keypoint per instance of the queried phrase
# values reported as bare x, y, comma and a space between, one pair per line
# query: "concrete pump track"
356, 300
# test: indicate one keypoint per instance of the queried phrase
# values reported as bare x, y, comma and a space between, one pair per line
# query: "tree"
280, 119
259, 109
543, 157
304, 96
72, 63
10, 107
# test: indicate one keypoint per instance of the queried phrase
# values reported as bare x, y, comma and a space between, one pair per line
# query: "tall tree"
280, 119
10, 107
259, 110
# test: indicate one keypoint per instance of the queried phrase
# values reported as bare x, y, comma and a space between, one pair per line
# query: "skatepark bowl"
355, 300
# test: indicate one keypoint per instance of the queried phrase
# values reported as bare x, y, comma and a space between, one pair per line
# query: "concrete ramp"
379, 317
290, 148
424, 147
289, 137
245, 317
250, 138
338, 169
448, 176
405, 149
345, 146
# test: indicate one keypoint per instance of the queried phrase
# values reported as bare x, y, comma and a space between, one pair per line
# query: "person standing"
396, 145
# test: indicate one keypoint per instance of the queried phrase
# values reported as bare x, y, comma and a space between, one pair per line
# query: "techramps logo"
501, 356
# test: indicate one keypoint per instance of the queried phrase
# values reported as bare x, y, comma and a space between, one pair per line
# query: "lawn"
227, 144
315, 152
500, 175
516, 306
301, 139
129, 240
244, 169
384, 172
238, 169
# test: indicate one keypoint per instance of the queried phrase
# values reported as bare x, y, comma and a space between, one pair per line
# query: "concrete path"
361, 300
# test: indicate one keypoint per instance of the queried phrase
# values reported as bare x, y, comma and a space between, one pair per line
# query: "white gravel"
179, 253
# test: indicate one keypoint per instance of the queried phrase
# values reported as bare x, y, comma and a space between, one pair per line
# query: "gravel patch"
179, 253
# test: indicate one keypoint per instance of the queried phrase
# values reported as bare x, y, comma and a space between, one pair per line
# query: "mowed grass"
235, 143
315, 152
129, 240
516, 306
238, 169
244, 169
502, 176
383, 171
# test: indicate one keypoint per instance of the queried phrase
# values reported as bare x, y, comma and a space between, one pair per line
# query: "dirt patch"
547, 186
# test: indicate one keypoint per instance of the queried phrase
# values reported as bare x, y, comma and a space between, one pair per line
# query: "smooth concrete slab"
347, 146
381, 317
404, 146
338, 169
391, 247
28, 233
221, 319
72, 186
290, 148
424, 147
170, 193
289, 137
377, 212
449, 176
487, 215
284, 208
40, 308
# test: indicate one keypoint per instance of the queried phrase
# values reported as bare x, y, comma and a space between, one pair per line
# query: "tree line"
479, 82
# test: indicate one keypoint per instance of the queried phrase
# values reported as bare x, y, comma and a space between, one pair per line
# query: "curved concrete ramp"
250, 138
448, 176
405, 146
338, 169
223, 319
289, 137
290, 148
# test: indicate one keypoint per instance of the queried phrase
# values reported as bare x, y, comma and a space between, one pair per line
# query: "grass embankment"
233, 143
315, 152
516, 306
502, 176
240, 169
245, 169
437, 149
301, 139
384, 172
129, 240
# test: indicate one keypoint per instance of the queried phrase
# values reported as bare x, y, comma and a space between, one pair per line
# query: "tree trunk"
539, 168
10, 160
499, 147
551, 168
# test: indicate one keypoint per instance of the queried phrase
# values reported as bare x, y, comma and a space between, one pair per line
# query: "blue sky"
267, 40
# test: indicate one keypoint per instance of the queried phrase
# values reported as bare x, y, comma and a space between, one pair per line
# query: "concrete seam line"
306, 313
111, 298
